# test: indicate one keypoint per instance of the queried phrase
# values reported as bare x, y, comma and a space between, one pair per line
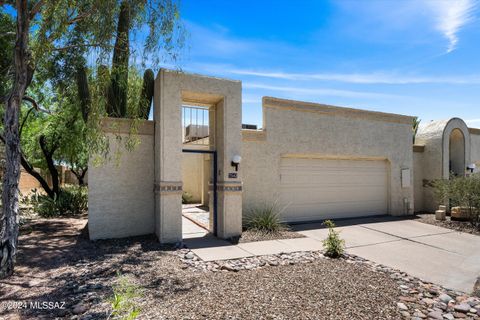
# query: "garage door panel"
314, 189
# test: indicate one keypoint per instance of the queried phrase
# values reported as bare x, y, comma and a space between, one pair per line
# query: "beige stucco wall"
475, 145
294, 128
418, 164
193, 175
120, 194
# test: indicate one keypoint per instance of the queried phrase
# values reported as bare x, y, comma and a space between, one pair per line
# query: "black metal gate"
214, 175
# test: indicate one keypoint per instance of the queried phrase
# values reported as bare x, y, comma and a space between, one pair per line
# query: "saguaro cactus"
146, 95
117, 94
83, 91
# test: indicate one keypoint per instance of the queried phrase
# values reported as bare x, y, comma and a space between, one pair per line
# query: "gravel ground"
324, 289
253, 235
462, 226
57, 263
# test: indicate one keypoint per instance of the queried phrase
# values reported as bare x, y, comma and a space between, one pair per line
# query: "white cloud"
473, 122
451, 16
358, 78
317, 92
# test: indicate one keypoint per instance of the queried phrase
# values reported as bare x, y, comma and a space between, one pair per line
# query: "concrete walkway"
438, 255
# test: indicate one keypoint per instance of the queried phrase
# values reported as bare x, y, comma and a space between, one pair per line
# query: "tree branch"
35, 104
81, 45
24, 121
51, 166
35, 9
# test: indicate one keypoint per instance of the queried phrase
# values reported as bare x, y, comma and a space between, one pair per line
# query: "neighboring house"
316, 161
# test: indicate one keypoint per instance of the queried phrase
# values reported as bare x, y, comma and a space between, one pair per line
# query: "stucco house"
316, 161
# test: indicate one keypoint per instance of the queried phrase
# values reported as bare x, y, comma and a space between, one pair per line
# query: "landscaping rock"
476, 288
229, 267
190, 255
79, 308
435, 315
445, 298
419, 314
402, 306
464, 307
448, 316
405, 314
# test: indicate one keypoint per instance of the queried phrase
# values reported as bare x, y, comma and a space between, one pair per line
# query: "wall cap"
254, 135
271, 102
474, 131
122, 126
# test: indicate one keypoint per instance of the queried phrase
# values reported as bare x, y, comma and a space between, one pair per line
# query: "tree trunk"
80, 175
31, 170
50, 164
8, 219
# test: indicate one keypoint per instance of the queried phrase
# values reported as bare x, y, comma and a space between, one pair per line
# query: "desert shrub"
72, 200
264, 218
123, 302
186, 197
333, 244
461, 192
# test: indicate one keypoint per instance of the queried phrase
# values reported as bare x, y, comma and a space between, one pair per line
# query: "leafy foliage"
264, 218
333, 244
7, 40
461, 192
71, 201
123, 302
75, 95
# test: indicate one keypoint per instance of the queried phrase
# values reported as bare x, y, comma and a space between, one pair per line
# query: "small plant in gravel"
124, 305
265, 218
334, 245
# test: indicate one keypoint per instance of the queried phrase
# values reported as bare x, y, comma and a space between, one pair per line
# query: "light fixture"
471, 167
236, 161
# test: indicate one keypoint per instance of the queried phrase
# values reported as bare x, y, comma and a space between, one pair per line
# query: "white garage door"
315, 189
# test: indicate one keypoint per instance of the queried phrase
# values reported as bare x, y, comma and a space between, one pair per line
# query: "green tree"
44, 28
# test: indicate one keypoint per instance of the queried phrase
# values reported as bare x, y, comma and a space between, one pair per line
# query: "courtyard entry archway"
457, 163
218, 135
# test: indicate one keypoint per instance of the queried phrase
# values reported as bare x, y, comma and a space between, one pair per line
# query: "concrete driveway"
438, 255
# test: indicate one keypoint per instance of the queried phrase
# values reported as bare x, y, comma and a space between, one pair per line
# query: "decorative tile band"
169, 187
228, 187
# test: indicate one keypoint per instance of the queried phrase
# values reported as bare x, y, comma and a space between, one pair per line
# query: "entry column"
228, 143
168, 155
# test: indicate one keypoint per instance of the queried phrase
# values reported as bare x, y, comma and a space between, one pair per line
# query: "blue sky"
414, 57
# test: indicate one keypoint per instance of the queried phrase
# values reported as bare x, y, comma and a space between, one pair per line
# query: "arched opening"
457, 153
